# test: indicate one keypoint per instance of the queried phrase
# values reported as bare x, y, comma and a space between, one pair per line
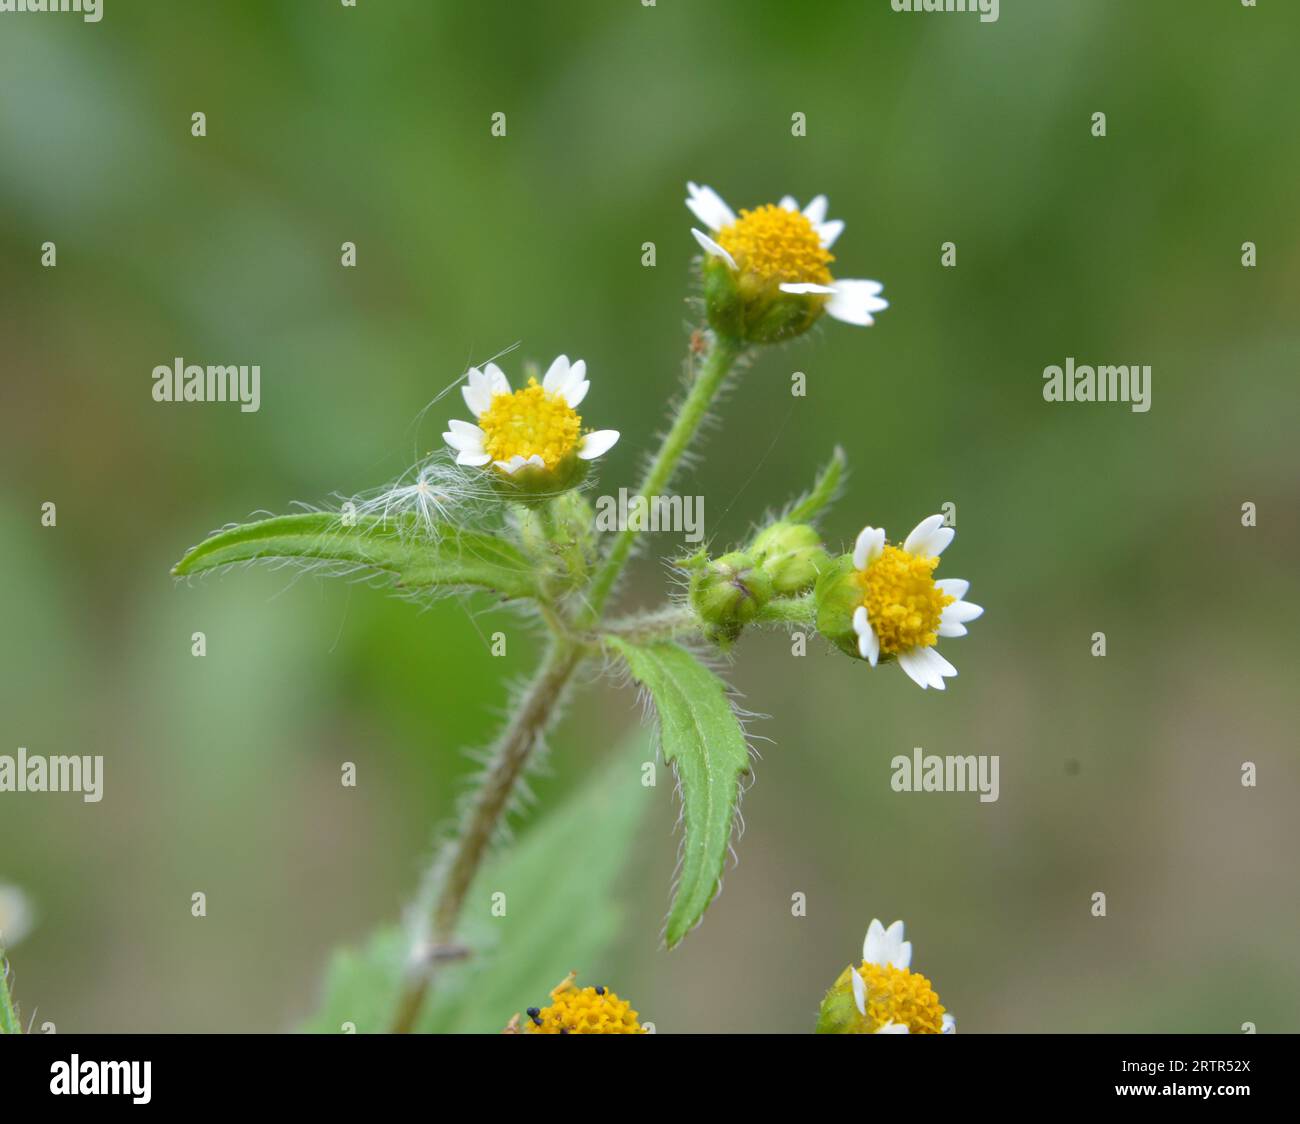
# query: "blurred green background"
329, 124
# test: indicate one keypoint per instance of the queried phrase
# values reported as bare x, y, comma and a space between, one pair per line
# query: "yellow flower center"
530, 421
777, 245
903, 603
898, 995
587, 1010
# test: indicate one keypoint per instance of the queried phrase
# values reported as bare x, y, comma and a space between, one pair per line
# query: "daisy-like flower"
580, 1010
883, 602
904, 610
883, 995
531, 437
767, 270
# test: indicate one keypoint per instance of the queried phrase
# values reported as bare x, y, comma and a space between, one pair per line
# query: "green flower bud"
747, 306
727, 593
838, 594
839, 1010
535, 483
792, 555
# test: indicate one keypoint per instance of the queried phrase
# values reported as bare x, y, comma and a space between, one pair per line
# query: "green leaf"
457, 558
824, 489
9, 1022
561, 913
702, 739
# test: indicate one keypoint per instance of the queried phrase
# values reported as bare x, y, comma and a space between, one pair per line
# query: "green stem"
713, 372
680, 620
479, 825
9, 1023
789, 610
538, 705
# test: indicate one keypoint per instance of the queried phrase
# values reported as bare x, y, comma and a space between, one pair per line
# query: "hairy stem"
9, 1023
713, 372
538, 704
486, 811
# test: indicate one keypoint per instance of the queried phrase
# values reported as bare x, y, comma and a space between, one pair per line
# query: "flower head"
883, 602
767, 270
883, 995
583, 1010
531, 437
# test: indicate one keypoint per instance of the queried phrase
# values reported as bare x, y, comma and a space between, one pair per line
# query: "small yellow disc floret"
903, 603
777, 245
531, 421
585, 1010
898, 995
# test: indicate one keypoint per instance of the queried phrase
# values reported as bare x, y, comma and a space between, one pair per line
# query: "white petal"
868, 641
892, 1027
952, 619
898, 951
941, 665
829, 231
575, 392
475, 392
789, 203
707, 206
929, 538
954, 587
949, 1025
873, 946
855, 301
859, 990
496, 379
711, 247
464, 437
869, 547
804, 287
962, 611
557, 374
936, 668
594, 444
513, 465
577, 373
916, 667
815, 212
474, 459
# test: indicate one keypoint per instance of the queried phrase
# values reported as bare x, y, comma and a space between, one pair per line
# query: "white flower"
15, 916
785, 245
904, 610
535, 426
886, 947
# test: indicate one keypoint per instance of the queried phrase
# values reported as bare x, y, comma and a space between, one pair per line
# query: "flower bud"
839, 1012
837, 595
727, 593
791, 554
749, 307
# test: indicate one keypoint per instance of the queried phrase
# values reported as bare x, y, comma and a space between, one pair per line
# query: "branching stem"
541, 698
